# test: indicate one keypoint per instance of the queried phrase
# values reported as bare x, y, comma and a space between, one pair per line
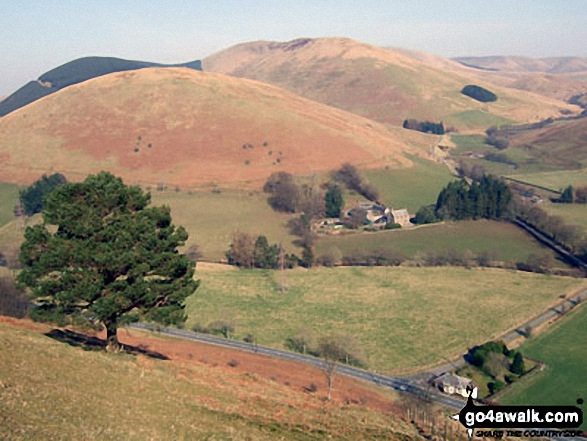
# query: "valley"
215, 143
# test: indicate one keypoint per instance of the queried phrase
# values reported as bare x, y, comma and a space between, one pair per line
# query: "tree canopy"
103, 256
32, 198
479, 93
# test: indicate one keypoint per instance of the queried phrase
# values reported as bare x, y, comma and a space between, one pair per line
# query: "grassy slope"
564, 351
211, 219
405, 318
188, 128
509, 241
8, 198
411, 187
52, 391
381, 84
556, 180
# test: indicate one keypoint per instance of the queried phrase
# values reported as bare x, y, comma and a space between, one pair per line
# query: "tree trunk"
329, 375
112, 344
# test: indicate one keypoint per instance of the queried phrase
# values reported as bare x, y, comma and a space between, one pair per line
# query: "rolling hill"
381, 84
562, 145
551, 77
184, 127
551, 65
75, 72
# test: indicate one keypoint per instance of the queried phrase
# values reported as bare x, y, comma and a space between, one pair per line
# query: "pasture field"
410, 187
508, 241
573, 214
476, 119
53, 391
8, 199
564, 351
404, 318
468, 143
556, 180
210, 219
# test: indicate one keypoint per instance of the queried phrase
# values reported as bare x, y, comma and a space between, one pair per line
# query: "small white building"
400, 216
453, 384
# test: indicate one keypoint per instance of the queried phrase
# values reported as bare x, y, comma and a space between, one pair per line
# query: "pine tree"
103, 256
334, 201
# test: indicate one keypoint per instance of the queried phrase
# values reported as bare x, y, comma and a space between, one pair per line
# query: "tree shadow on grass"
88, 343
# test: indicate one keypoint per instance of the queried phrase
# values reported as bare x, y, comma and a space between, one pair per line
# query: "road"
397, 383
414, 385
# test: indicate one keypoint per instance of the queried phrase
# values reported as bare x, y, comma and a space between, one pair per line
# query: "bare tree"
284, 192
242, 250
333, 349
357, 218
13, 302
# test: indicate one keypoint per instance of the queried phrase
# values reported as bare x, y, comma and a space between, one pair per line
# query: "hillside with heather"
381, 84
188, 128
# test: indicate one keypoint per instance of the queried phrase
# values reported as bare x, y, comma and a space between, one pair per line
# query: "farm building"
453, 384
401, 217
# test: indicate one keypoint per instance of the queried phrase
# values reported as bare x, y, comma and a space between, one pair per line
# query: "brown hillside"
188, 128
381, 84
563, 144
539, 76
553, 65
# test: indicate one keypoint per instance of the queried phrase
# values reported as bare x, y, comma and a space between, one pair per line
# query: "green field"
52, 391
468, 143
510, 243
8, 199
556, 180
410, 187
476, 119
210, 219
404, 318
573, 214
564, 351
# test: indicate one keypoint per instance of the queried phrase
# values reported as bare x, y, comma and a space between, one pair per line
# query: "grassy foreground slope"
564, 351
52, 391
404, 318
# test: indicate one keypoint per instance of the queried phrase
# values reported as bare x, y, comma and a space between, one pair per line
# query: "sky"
38, 35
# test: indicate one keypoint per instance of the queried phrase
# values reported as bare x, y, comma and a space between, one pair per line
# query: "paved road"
400, 384
396, 383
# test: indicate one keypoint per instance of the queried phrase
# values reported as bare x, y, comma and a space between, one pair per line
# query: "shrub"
495, 386
392, 226
479, 93
13, 302
312, 388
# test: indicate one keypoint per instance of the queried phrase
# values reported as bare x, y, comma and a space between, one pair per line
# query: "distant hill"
539, 76
552, 65
184, 127
75, 72
562, 145
381, 84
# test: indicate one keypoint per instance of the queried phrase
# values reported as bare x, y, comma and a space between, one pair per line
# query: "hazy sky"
39, 35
